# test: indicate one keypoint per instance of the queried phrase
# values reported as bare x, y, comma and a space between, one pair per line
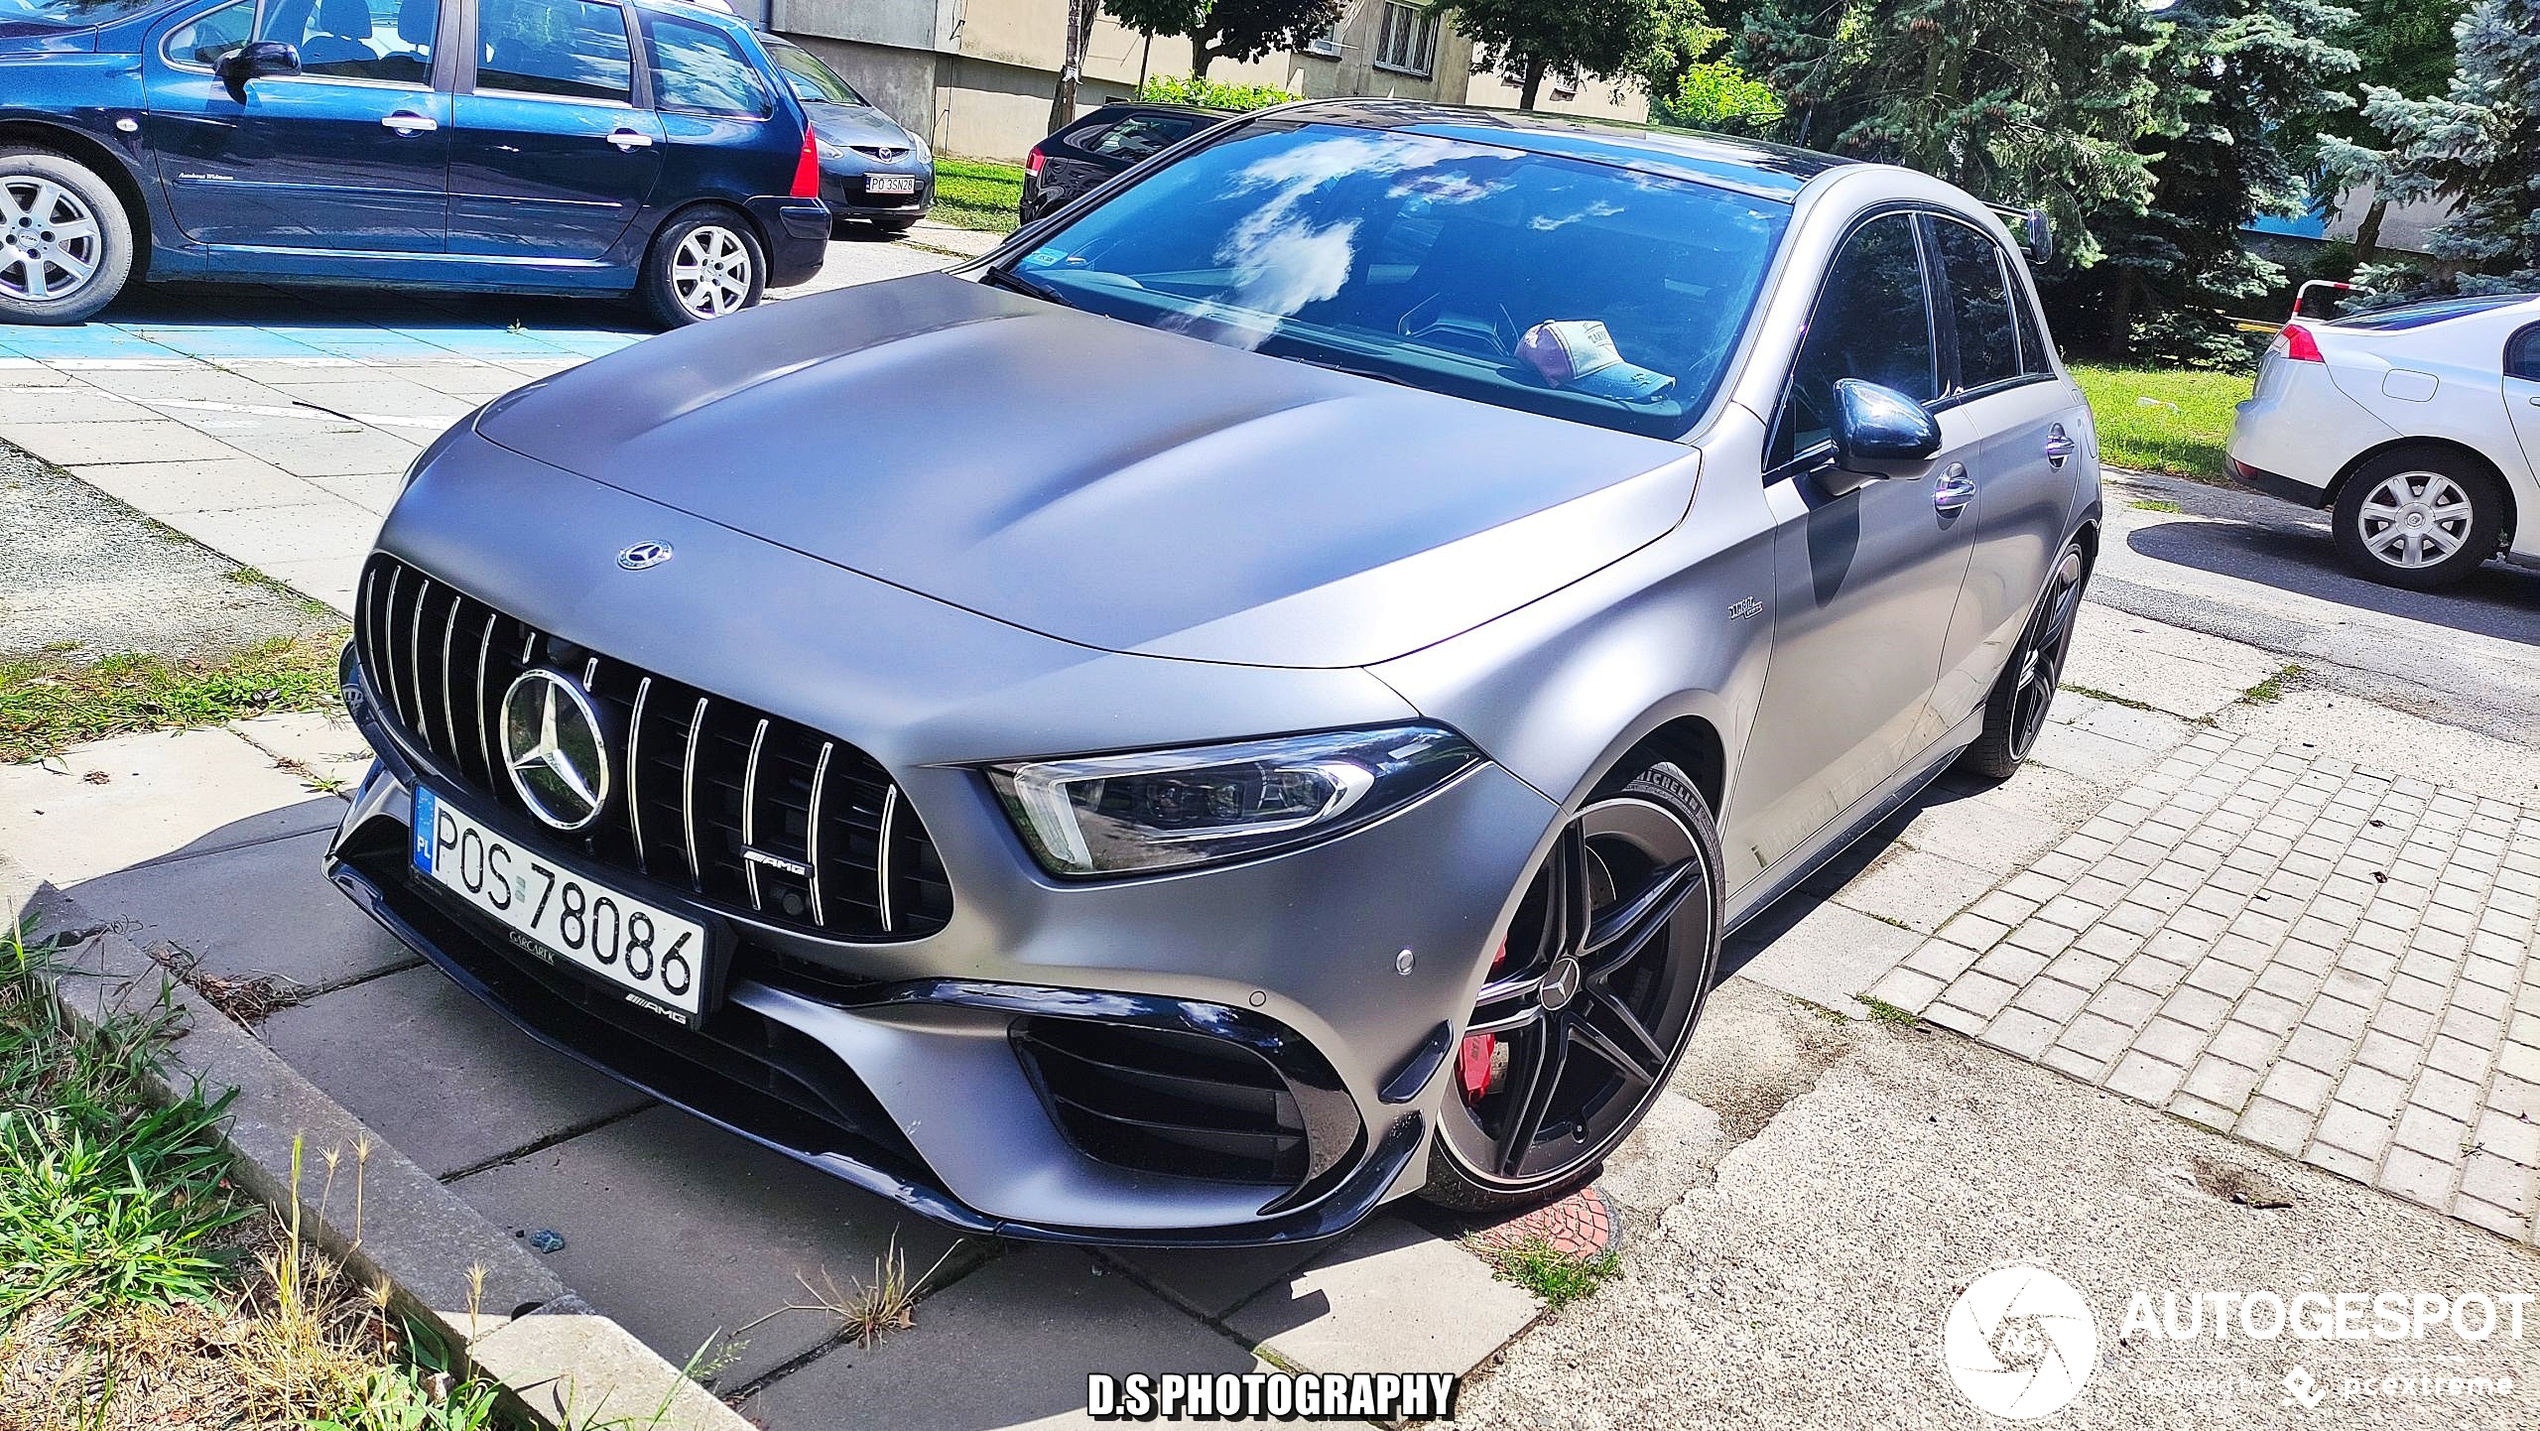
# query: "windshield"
812, 81
72, 14
1552, 285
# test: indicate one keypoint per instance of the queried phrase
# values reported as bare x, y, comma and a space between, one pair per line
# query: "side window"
1872, 321
698, 69
1979, 305
358, 39
200, 42
2522, 354
2036, 359
1140, 135
572, 48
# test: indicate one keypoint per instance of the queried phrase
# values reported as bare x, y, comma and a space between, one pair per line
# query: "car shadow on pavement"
2495, 600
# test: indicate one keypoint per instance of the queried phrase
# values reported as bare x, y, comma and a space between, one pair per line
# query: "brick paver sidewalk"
2332, 962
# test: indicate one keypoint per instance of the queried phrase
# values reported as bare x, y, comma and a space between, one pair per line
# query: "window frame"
1818, 456
255, 16
447, 44
2526, 338
1424, 25
640, 86
1945, 316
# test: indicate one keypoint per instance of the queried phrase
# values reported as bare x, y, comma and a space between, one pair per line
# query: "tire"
2015, 710
707, 263
1646, 841
65, 242
2419, 517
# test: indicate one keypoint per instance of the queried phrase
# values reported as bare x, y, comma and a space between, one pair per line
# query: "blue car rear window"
1533, 281
2418, 315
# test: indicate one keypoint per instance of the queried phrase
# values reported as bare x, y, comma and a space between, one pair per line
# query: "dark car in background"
1102, 144
871, 167
562, 146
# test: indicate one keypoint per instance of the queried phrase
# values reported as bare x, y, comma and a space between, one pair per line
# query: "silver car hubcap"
49, 240
2415, 519
710, 272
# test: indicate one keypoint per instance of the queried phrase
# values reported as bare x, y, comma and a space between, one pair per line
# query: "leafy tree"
2404, 45
2040, 101
1229, 29
2250, 82
1716, 94
2477, 146
1211, 94
1525, 40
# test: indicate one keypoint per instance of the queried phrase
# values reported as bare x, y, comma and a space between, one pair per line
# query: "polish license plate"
561, 916
890, 183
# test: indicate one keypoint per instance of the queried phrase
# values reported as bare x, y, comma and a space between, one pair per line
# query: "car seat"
341, 37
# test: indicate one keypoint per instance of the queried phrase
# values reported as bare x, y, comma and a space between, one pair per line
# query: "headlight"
1134, 814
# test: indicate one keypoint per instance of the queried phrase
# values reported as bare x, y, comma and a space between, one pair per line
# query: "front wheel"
706, 263
65, 242
1589, 1003
2420, 518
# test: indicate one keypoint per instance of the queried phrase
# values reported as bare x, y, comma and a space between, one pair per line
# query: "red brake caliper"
1479, 1062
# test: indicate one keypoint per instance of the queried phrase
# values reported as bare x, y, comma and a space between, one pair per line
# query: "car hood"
1102, 482
856, 124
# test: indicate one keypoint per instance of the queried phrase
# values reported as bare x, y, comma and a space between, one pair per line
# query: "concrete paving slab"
164, 795
327, 579
371, 491
323, 743
193, 383
1007, 1346
1212, 1282
2100, 759
1825, 954
1671, 1151
256, 910
144, 439
2182, 672
337, 454
220, 484
462, 1088
1916, 888
1391, 1297
39, 403
663, 1198
266, 537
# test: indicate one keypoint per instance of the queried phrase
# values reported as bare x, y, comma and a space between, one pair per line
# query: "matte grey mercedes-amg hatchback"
1259, 697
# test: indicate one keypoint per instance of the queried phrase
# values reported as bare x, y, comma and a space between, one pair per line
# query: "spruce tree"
2476, 146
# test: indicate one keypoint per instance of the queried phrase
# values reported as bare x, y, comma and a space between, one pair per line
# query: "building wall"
976, 76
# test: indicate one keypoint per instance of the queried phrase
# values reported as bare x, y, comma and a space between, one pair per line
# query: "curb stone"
559, 1360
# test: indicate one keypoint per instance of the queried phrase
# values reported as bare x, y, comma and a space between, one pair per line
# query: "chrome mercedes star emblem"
644, 556
1560, 985
551, 743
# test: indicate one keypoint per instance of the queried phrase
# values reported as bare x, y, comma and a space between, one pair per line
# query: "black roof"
1777, 170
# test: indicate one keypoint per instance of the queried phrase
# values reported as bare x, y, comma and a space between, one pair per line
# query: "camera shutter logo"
2020, 1341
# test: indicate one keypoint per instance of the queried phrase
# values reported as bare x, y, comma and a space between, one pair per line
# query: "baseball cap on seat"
1578, 355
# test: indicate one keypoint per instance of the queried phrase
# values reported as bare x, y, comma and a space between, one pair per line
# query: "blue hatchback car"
560, 146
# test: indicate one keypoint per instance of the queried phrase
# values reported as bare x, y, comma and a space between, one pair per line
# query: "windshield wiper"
1030, 288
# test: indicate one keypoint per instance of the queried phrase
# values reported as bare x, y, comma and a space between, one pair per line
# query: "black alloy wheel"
2015, 713
1589, 1004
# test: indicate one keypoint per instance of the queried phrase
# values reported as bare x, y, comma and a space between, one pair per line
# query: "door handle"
406, 121
630, 140
1956, 488
2059, 446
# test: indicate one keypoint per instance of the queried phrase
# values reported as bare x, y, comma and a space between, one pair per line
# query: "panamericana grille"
1167, 1102
750, 811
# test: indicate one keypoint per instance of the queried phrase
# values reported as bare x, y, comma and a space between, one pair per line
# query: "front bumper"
797, 238
842, 187
918, 1069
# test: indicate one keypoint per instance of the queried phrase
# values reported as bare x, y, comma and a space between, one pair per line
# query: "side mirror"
253, 60
1878, 432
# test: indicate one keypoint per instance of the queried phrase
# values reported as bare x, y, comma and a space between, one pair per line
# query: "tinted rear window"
2418, 315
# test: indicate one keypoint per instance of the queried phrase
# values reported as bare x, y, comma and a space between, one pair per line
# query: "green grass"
2272, 689
977, 194
2163, 419
2111, 697
2155, 504
1881, 1011
1560, 1278
49, 702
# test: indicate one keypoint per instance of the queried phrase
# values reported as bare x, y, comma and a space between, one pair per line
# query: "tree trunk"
1071, 68
1201, 54
2368, 233
1533, 81
2120, 337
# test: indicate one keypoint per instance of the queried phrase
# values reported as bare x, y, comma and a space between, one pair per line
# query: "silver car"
1260, 697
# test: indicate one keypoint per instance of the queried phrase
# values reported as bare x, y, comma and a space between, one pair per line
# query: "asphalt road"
2247, 567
